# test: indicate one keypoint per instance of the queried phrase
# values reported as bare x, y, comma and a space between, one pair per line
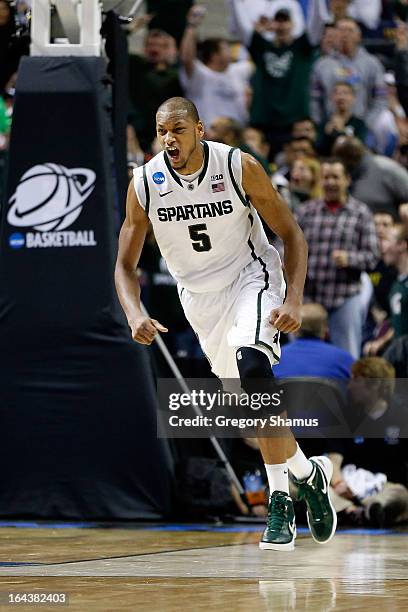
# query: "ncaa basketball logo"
158, 178
50, 197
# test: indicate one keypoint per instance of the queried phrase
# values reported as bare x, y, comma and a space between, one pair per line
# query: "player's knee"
252, 364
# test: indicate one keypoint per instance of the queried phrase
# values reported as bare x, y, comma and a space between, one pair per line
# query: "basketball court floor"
182, 568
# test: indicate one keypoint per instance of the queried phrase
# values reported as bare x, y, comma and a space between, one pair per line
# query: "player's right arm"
131, 239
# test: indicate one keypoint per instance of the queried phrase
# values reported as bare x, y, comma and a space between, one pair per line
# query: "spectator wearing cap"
244, 15
309, 354
342, 241
342, 122
354, 65
283, 66
380, 182
216, 85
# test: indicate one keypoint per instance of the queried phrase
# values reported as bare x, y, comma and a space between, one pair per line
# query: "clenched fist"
145, 329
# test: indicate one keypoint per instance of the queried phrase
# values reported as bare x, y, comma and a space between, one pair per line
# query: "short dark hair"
335, 160
208, 47
179, 103
293, 139
156, 33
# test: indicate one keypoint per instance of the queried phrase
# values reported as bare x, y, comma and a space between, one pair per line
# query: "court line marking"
177, 550
158, 552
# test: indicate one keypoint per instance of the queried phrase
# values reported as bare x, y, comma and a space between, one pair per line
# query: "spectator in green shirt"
283, 68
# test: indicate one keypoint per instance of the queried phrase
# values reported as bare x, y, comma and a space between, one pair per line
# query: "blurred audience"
230, 132
172, 20
153, 77
378, 181
384, 274
12, 47
304, 181
365, 12
342, 241
305, 128
310, 354
342, 121
283, 66
350, 63
293, 149
370, 474
395, 255
256, 140
216, 85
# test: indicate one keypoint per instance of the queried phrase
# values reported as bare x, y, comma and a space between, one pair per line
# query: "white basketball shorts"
238, 315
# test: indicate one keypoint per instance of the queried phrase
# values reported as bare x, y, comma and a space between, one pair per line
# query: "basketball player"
203, 200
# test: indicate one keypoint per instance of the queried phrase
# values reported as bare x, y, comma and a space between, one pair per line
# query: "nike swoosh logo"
292, 527
164, 194
324, 487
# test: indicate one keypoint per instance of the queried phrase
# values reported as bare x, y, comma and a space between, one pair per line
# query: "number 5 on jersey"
201, 241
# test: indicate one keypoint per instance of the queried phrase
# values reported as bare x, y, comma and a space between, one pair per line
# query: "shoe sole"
287, 547
334, 513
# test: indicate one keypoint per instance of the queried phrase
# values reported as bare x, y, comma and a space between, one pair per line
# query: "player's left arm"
275, 212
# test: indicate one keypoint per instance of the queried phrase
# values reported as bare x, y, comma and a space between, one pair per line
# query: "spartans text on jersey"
195, 211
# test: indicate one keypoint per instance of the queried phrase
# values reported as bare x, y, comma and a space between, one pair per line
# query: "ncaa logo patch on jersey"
159, 178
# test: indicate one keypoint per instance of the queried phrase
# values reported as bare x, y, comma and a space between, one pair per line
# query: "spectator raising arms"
244, 14
216, 85
283, 66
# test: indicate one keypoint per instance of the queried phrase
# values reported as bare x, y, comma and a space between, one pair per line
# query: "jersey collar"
203, 171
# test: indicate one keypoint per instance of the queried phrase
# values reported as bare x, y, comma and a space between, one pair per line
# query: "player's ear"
200, 129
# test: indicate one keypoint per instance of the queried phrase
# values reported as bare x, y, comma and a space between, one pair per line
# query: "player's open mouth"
173, 153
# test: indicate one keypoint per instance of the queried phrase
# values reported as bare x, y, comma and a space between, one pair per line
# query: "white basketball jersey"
207, 230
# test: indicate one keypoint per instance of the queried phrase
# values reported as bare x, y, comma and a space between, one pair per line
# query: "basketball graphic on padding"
50, 197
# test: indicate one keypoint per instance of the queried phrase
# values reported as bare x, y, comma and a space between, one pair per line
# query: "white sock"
299, 464
278, 478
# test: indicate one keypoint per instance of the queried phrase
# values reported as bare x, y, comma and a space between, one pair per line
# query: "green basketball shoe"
321, 516
280, 532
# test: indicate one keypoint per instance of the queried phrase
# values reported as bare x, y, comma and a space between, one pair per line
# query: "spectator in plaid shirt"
342, 241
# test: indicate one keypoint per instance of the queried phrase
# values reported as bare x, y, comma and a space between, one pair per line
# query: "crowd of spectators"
317, 91
303, 88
